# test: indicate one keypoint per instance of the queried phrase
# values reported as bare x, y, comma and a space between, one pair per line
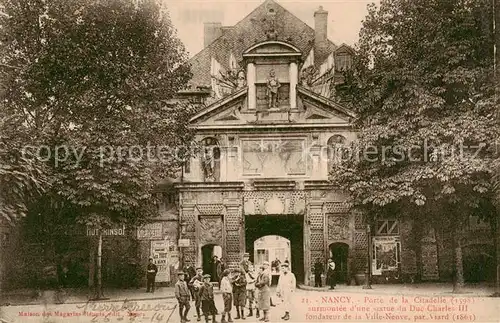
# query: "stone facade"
269, 131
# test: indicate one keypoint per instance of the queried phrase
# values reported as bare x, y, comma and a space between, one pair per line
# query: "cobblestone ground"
340, 305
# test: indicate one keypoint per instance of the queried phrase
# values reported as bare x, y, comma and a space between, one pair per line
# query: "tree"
91, 81
422, 87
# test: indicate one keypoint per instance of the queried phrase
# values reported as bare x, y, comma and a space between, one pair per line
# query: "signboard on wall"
160, 255
118, 230
150, 231
386, 251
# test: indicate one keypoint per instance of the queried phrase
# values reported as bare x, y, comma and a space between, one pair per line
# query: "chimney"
320, 28
212, 31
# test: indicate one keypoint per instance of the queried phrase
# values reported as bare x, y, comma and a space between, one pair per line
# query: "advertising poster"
160, 255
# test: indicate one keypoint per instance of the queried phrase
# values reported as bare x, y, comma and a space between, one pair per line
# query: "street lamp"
368, 271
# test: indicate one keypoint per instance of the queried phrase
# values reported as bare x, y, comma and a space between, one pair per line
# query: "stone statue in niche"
241, 81
208, 164
273, 85
307, 76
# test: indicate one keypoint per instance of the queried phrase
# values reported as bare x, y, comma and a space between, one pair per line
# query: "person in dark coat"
182, 295
318, 271
216, 269
262, 283
331, 274
239, 292
245, 262
152, 270
195, 283
207, 299
190, 273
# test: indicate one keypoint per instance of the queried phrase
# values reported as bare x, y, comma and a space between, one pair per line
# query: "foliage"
422, 88
91, 81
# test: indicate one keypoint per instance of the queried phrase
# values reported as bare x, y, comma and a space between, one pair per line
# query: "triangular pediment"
312, 110
316, 116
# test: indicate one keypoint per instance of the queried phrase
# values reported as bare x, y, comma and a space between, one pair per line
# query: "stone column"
252, 93
294, 74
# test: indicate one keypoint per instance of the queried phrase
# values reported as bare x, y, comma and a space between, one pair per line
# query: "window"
343, 62
262, 255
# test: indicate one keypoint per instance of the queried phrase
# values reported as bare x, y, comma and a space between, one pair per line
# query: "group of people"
319, 269
239, 287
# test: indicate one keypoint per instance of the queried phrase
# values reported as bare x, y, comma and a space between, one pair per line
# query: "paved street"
343, 304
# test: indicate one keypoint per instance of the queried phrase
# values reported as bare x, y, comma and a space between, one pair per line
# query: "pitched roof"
251, 30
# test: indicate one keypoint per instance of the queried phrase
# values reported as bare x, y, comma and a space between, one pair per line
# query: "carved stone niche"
338, 227
211, 229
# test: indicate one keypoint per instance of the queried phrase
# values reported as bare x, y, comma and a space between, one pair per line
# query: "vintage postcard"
249, 160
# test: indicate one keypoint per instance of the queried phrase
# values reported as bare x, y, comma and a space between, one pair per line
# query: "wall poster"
386, 254
160, 255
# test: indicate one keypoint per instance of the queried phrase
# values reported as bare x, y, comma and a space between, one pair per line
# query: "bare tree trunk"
458, 270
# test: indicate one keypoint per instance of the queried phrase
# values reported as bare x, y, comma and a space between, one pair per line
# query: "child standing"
239, 292
226, 288
250, 277
183, 295
207, 299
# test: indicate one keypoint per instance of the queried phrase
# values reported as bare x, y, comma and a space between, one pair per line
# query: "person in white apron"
286, 289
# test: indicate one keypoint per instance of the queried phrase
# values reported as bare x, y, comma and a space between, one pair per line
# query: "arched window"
336, 150
210, 159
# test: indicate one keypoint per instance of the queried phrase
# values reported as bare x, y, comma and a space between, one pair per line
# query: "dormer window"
343, 62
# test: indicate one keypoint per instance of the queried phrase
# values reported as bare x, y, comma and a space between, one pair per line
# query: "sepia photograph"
216, 161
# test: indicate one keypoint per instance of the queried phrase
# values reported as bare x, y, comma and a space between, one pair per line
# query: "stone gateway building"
269, 130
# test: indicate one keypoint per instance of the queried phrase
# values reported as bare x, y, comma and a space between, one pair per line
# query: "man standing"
318, 271
262, 283
250, 277
216, 269
196, 283
190, 272
152, 270
285, 289
276, 264
331, 273
245, 262
183, 295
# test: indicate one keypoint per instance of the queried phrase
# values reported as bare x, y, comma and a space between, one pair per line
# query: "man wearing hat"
262, 283
286, 288
152, 270
195, 284
245, 262
207, 299
183, 295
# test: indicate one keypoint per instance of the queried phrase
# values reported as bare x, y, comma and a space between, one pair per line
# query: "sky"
344, 17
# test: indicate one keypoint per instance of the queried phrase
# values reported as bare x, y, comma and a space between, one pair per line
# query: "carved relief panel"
211, 230
338, 227
268, 202
271, 158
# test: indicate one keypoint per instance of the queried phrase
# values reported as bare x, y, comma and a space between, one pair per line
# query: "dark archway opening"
290, 227
339, 252
479, 263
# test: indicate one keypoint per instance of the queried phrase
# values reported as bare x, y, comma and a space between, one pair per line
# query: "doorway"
339, 252
287, 228
207, 255
479, 263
